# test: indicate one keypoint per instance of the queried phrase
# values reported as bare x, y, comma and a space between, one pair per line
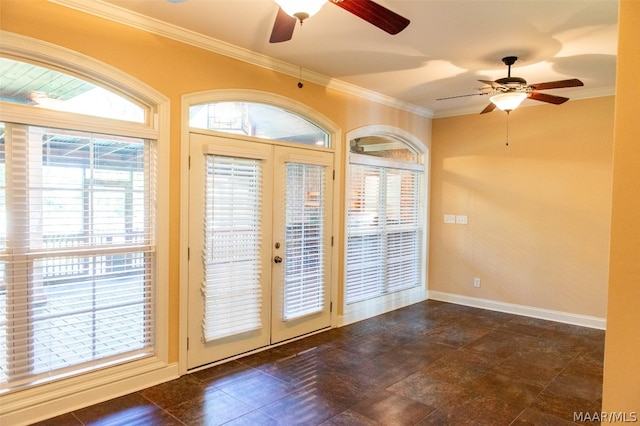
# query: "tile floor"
431, 363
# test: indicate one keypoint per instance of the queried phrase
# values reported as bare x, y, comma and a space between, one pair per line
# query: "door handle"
277, 259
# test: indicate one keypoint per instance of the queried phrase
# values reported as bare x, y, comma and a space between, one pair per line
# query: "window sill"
51, 399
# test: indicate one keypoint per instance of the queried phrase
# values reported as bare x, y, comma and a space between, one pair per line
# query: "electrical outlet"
476, 282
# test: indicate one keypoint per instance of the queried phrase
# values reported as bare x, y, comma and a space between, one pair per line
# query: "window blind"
384, 230
232, 287
304, 254
78, 259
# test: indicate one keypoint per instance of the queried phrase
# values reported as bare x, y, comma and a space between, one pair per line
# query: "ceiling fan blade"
461, 96
544, 97
283, 27
374, 14
574, 82
489, 108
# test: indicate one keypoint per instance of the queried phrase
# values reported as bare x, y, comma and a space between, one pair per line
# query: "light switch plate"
449, 218
461, 219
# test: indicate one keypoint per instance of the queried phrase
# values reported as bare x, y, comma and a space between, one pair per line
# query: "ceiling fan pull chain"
507, 144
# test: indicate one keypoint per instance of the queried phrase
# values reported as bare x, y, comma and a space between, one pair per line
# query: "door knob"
277, 259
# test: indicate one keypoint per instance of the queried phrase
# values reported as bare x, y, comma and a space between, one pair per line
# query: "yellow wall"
175, 69
622, 349
538, 209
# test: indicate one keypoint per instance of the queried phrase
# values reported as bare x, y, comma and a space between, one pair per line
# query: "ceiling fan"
292, 11
509, 92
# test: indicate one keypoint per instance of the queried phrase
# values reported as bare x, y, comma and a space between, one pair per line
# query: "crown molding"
164, 29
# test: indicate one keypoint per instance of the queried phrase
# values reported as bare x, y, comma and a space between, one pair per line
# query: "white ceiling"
446, 48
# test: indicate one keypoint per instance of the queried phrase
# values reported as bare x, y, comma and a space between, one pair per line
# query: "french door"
259, 243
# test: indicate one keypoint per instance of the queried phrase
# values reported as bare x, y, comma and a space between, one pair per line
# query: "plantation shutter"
384, 230
78, 278
305, 252
231, 288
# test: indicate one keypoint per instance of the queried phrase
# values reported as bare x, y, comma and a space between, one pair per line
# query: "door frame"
335, 146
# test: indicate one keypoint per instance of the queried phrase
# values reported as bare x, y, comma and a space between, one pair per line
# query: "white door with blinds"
303, 183
259, 245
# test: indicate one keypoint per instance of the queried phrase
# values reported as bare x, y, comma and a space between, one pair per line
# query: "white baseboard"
53, 399
527, 311
374, 307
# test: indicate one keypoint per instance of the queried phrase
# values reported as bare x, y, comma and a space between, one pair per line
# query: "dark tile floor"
431, 363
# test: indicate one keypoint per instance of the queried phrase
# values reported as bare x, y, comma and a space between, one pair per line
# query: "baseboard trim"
51, 400
527, 311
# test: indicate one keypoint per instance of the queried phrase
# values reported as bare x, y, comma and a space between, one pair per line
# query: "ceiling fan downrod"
508, 61
511, 83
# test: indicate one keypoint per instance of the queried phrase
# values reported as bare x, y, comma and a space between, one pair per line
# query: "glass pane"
91, 188
304, 248
384, 147
402, 196
259, 120
232, 286
402, 266
364, 197
365, 266
28, 84
88, 308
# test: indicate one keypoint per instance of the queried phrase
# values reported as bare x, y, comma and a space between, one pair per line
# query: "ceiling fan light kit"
301, 9
508, 101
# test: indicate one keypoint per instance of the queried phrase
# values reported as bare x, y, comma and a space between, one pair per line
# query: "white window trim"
369, 308
267, 98
64, 395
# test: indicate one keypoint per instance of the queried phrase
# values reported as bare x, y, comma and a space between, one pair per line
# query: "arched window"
79, 211
25, 83
257, 119
386, 219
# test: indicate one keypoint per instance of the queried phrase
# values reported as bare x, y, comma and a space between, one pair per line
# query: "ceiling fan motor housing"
509, 60
512, 82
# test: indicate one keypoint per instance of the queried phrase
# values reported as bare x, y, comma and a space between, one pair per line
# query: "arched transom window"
259, 120
25, 83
